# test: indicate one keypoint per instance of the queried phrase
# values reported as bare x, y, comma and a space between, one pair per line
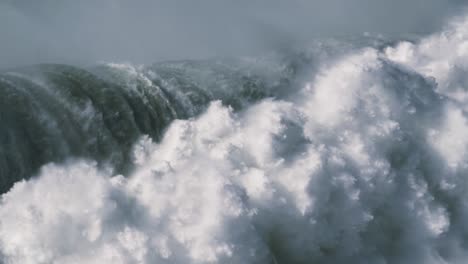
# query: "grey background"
144, 31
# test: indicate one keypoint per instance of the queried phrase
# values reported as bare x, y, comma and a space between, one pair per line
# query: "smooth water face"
350, 151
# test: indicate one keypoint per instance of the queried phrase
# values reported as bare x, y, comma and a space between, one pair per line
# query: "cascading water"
54, 112
344, 153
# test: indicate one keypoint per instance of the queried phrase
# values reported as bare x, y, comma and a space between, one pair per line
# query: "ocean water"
351, 151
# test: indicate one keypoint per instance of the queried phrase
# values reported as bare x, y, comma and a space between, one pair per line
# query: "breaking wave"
53, 112
355, 157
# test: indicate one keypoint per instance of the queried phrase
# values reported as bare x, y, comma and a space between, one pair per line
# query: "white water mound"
366, 164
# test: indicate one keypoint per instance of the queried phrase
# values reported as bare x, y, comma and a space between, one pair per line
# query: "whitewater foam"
366, 163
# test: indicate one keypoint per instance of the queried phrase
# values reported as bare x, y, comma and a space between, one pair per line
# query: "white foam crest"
443, 56
131, 73
365, 165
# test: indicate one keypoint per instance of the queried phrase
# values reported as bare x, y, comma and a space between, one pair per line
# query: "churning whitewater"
357, 156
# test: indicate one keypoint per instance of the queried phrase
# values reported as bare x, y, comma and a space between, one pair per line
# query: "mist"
144, 31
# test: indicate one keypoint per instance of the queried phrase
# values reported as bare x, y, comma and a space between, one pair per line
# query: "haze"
146, 31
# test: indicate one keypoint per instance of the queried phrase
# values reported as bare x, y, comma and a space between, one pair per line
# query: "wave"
361, 159
54, 112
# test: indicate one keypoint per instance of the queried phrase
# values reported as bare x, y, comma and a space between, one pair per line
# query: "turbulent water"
350, 152
54, 112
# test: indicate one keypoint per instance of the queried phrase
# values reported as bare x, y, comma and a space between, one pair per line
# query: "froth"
365, 164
